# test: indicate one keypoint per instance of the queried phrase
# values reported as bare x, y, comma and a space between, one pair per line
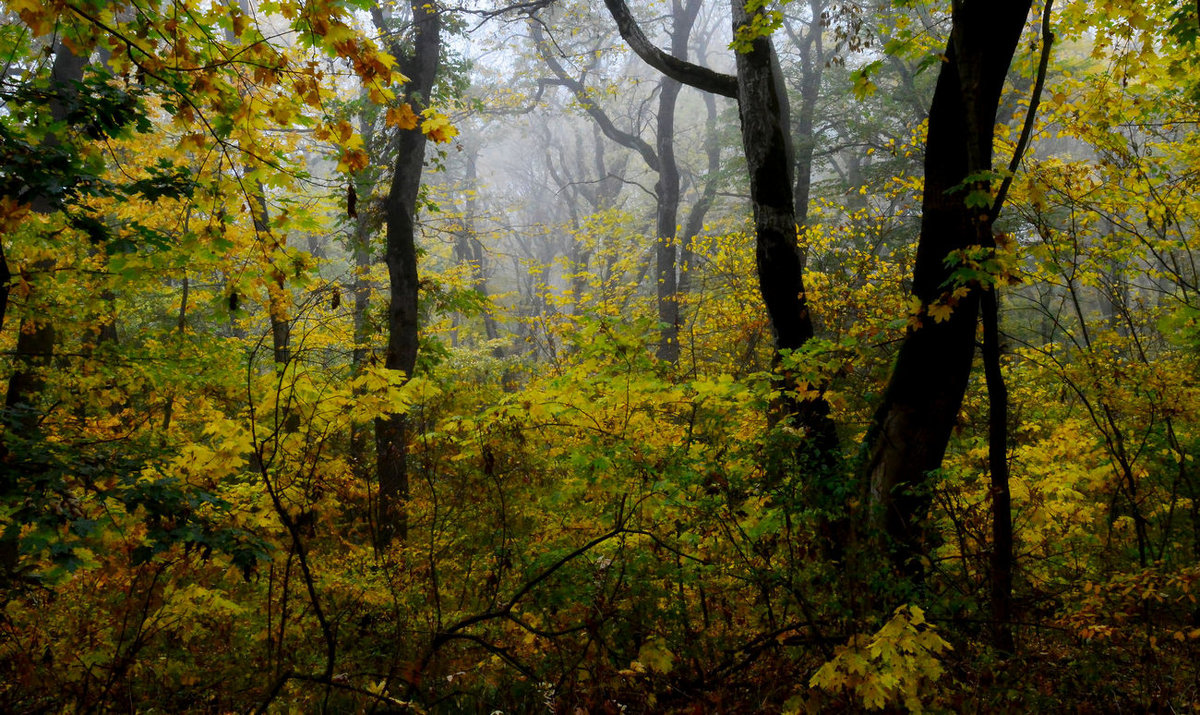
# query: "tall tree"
659, 158
766, 141
912, 426
420, 65
35, 337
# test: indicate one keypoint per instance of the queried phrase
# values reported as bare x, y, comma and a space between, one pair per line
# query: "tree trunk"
1002, 526
762, 104
400, 208
812, 64
666, 221
695, 219
277, 294
912, 427
469, 248
667, 189
764, 111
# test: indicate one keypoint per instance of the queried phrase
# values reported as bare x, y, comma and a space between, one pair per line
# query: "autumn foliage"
192, 334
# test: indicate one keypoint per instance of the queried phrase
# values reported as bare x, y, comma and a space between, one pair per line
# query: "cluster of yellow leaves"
437, 126
893, 667
401, 117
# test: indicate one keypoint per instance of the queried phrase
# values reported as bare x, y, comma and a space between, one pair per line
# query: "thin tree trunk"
666, 222
277, 294
1002, 526
695, 219
667, 189
469, 247
812, 64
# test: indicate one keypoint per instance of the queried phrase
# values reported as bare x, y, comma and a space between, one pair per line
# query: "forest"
679, 356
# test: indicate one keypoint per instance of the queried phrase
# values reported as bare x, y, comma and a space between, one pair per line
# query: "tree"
400, 253
766, 141
659, 158
912, 426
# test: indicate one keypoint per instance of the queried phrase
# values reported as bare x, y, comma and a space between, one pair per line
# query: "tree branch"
1034, 100
701, 78
597, 114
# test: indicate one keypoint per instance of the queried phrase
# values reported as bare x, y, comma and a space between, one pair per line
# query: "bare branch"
693, 75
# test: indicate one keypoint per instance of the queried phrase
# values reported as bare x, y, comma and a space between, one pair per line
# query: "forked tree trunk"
912, 426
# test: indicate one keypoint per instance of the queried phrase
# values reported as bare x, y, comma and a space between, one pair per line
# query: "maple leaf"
438, 127
353, 160
401, 117
940, 312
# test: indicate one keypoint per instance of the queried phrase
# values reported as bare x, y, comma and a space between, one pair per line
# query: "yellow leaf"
940, 312
401, 117
655, 656
438, 127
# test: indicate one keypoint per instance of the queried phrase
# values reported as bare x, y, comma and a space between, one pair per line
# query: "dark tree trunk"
762, 104
400, 208
912, 427
35, 341
1002, 527
667, 189
667, 219
277, 295
764, 111
699, 210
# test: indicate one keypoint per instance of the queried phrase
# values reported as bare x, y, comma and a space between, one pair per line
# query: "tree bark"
400, 254
912, 426
766, 140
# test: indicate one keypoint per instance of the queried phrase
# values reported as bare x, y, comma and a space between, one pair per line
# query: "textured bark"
400, 208
912, 427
